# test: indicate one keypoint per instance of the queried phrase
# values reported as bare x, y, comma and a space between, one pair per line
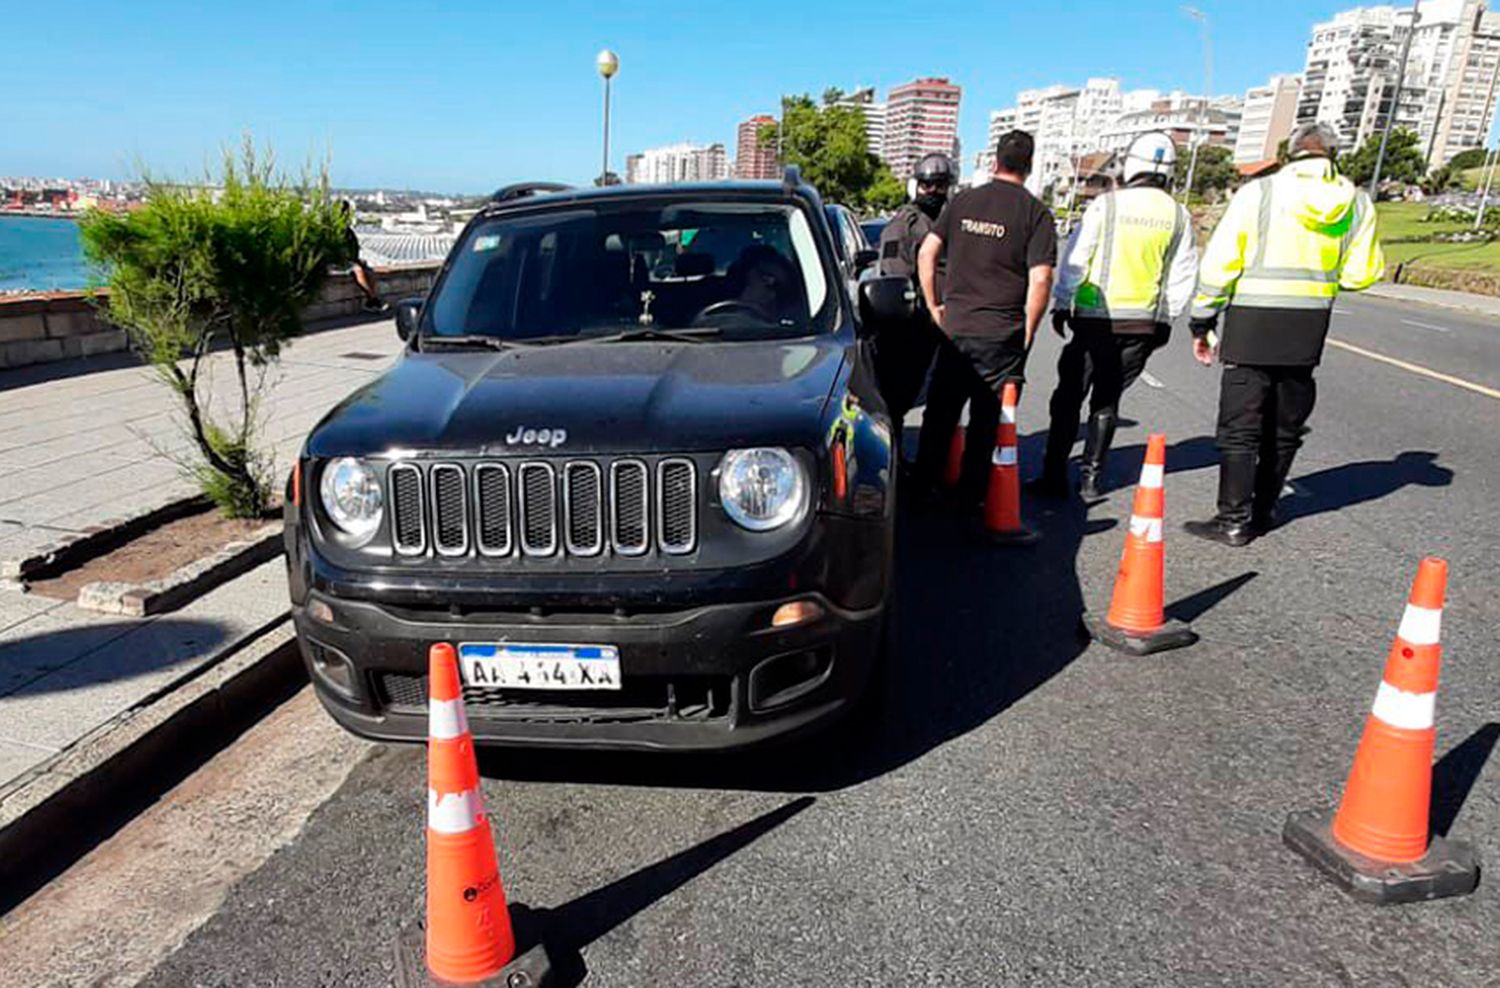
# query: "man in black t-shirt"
1000, 246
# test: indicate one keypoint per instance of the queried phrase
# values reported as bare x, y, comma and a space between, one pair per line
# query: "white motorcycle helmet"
1150, 154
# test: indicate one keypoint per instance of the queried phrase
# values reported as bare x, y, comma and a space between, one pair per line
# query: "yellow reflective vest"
1288, 244
1131, 259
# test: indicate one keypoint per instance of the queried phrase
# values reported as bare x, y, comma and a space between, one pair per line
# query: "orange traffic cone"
469, 937
1377, 845
953, 470
1137, 621
1002, 501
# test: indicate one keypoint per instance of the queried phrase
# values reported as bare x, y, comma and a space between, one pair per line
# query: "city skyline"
680, 80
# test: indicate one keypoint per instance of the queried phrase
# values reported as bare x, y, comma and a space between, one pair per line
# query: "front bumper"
715, 676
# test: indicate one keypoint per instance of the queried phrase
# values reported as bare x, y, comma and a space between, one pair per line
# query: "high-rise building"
921, 117
1269, 115
753, 159
1188, 120
678, 163
1066, 122
1448, 93
1002, 122
863, 100
1463, 76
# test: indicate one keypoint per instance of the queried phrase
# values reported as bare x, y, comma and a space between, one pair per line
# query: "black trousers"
1263, 413
1101, 364
970, 369
903, 357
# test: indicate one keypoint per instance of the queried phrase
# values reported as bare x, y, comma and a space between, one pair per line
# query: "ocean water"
40, 254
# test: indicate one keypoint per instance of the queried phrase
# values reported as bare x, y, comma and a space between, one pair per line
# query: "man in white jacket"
1128, 270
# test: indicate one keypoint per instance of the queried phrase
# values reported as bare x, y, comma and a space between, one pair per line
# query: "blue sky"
468, 96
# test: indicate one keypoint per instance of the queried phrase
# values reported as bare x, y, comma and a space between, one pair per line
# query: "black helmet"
935, 169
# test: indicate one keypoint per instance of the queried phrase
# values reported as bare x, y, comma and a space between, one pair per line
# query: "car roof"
677, 190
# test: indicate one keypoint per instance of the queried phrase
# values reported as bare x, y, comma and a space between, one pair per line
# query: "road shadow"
976, 629
567, 929
85, 655
1123, 468
1190, 608
1356, 483
1456, 772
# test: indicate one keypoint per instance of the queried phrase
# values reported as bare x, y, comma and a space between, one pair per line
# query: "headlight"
352, 497
762, 489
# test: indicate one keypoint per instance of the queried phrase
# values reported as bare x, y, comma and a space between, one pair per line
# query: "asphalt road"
1031, 810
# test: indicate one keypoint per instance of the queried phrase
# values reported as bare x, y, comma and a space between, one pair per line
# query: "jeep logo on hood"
523, 436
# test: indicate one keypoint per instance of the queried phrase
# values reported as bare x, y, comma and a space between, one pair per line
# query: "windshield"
746, 270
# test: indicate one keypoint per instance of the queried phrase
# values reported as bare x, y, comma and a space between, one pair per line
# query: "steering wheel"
728, 307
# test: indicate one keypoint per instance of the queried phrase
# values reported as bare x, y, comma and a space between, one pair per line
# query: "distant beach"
40, 254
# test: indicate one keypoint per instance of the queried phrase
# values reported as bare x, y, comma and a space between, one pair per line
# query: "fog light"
319, 611
797, 612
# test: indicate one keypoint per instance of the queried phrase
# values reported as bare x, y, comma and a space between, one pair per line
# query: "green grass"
1470, 257
1404, 219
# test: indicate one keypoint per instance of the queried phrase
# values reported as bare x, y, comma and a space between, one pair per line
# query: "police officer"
904, 353
1128, 270
1288, 244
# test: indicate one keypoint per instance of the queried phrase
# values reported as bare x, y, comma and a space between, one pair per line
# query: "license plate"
540, 667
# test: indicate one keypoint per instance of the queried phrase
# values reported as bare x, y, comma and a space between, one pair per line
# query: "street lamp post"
1208, 88
608, 64
1390, 119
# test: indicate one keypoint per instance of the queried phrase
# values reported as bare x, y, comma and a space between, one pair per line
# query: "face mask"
932, 203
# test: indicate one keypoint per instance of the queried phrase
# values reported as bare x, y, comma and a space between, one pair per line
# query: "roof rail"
792, 177
521, 190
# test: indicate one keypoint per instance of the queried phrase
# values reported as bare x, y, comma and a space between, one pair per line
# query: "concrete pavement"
1034, 810
80, 446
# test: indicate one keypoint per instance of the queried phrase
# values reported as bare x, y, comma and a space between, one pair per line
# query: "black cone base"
1014, 537
1450, 867
1172, 634
530, 968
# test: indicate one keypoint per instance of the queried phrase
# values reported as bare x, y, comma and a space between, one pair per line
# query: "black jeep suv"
634, 464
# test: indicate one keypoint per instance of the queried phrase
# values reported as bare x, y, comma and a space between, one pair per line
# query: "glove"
1202, 327
1060, 323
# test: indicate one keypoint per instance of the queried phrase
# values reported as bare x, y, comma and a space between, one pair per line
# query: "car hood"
590, 397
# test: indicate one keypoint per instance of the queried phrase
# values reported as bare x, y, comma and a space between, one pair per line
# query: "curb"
98, 539
1461, 304
186, 582
58, 811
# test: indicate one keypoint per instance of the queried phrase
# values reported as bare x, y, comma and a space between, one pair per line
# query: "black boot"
1232, 525
1053, 481
1270, 478
1095, 452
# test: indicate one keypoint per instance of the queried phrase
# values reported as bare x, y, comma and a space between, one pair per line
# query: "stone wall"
39, 328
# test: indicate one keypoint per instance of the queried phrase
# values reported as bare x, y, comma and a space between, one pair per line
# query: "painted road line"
1151, 382
1457, 382
1425, 325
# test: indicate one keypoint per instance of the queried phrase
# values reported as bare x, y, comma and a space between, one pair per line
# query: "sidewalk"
1484, 304
79, 447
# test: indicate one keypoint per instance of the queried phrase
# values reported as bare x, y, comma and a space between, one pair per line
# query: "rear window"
750, 269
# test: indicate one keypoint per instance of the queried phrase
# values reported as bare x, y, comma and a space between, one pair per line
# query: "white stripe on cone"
1152, 475
1421, 625
1008, 414
454, 812
1145, 528
1005, 456
1398, 708
446, 719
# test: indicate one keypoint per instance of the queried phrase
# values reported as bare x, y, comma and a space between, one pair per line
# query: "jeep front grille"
539, 508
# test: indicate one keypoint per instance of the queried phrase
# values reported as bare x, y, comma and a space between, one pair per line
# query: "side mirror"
886, 300
865, 258
408, 314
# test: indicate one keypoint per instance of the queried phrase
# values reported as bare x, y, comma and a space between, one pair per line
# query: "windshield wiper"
468, 340
696, 335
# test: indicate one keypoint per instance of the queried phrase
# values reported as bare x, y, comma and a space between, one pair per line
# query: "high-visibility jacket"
1288, 244
1131, 261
